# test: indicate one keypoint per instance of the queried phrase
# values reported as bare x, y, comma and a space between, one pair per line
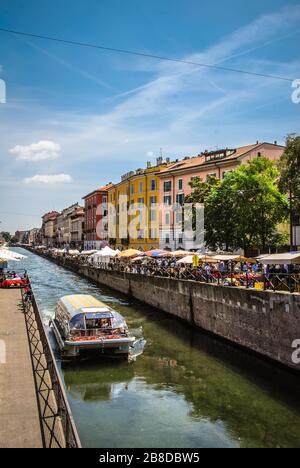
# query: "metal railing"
288, 282
57, 423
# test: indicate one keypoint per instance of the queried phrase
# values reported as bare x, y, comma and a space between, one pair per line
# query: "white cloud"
40, 151
48, 179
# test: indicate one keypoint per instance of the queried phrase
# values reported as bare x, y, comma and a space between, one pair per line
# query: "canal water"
186, 390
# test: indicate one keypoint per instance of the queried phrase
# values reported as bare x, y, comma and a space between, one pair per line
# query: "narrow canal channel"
186, 390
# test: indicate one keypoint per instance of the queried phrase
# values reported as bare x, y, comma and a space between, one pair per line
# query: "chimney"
167, 160
159, 161
148, 164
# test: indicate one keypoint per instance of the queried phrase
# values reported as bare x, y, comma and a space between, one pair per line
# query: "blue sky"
76, 118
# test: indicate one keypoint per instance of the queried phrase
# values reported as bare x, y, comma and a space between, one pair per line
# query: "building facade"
77, 229
64, 225
44, 236
132, 215
175, 185
21, 237
33, 238
95, 228
50, 231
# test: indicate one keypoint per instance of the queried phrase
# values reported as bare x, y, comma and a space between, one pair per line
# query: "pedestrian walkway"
19, 413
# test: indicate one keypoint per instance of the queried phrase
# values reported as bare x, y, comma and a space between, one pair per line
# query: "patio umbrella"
180, 253
129, 253
88, 252
10, 255
156, 253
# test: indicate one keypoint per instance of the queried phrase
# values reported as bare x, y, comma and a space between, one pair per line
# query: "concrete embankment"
264, 322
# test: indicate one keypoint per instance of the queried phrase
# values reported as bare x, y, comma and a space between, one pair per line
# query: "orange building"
175, 182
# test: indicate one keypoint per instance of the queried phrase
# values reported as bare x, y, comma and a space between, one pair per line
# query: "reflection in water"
186, 390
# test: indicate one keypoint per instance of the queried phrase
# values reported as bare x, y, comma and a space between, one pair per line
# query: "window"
167, 240
180, 184
141, 234
167, 218
168, 200
211, 175
132, 189
167, 186
153, 234
153, 185
140, 201
141, 187
179, 217
153, 214
153, 200
180, 198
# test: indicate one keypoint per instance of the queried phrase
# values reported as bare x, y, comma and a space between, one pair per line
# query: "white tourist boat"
83, 323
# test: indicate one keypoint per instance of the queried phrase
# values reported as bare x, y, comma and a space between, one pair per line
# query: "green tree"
200, 192
201, 189
289, 167
6, 236
245, 209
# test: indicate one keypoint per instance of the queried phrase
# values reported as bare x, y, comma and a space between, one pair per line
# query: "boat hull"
115, 347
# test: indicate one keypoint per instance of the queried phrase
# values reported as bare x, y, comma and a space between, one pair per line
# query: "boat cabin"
83, 315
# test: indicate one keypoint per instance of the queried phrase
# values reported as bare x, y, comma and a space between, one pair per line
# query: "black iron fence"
275, 281
57, 423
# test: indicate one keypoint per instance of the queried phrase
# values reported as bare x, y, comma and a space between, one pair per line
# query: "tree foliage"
6, 236
289, 167
244, 209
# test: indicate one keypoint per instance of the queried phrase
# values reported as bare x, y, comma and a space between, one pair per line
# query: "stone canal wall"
262, 321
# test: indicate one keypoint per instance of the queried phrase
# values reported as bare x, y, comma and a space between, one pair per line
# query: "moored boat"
82, 323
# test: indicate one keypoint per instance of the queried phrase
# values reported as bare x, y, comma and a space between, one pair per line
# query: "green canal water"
186, 390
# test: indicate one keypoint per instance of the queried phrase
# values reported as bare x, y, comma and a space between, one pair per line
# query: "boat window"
118, 321
97, 323
77, 322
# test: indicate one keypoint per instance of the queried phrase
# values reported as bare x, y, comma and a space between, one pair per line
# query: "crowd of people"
250, 274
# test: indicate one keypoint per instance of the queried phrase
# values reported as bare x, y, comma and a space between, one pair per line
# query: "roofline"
95, 191
216, 163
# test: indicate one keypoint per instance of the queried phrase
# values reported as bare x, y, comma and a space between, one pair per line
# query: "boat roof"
84, 304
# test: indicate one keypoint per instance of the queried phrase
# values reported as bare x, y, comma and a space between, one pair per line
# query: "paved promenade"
19, 416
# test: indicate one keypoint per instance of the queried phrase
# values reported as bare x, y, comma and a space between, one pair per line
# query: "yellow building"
132, 222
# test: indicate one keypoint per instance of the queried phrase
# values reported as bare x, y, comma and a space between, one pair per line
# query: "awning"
233, 258
281, 259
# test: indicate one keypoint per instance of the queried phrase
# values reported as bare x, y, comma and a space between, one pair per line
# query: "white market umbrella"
10, 255
88, 252
281, 259
188, 260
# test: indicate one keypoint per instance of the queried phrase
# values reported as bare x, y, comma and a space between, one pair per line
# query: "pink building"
175, 180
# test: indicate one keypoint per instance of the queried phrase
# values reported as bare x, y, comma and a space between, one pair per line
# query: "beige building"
64, 227
33, 238
77, 228
50, 231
